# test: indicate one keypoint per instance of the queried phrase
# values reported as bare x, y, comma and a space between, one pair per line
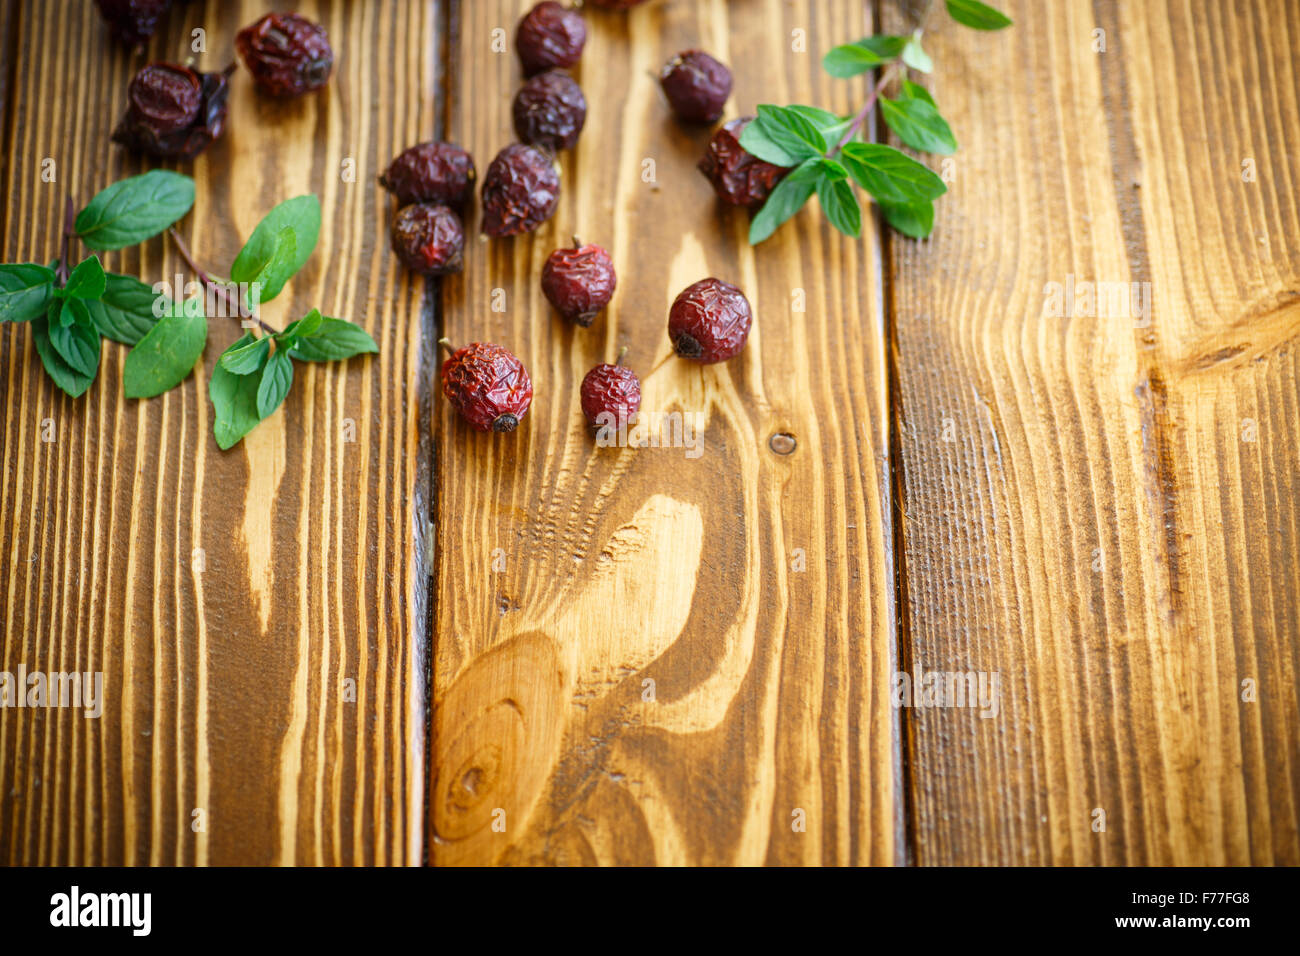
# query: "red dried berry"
611, 396
488, 386
429, 239
133, 21
739, 177
520, 191
579, 281
709, 321
431, 172
550, 111
288, 55
550, 35
173, 112
697, 86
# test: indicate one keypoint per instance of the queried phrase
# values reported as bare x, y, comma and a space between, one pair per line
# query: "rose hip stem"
446, 344
210, 283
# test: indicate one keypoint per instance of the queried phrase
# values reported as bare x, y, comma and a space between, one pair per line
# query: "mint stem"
863, 113
69, 230
232, 308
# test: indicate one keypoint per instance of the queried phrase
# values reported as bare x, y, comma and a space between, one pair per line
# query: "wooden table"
367, 635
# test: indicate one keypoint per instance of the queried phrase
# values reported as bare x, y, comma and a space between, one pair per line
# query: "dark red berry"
611, 396
550, 111
520, 191
429, 239
697, 86
431, 172
709, 321
579, 282
488, 386
172, 111
133, 21
739, 177
288, 55
548, 36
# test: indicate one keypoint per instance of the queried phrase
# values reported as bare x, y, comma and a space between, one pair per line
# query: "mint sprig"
71, 309
829, 156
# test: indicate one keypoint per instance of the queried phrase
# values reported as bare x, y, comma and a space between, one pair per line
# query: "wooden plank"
225, 596
1102, 508
568, 576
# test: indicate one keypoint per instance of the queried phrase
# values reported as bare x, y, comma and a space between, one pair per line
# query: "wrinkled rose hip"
520, 191
431, 172
429, 239
738, 177
173, 112
488, 385
550, 35
132, 21
288, 55
579, 282
709, 321
550, 111
610, 396
696, 85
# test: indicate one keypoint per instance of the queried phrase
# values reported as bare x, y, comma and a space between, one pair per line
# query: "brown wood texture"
225, 596
1102, 508
639, 656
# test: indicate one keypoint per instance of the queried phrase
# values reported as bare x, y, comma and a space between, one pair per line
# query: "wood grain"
574, 581
225, 596
1103, 509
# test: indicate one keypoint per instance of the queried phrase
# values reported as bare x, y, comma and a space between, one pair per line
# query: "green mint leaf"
63, 375
336, 339
258, 261
25, 291
299, 328
885, 45
246, 356
915, 57
277, 377
234, 402
914, 91
911, 219
135, 209
831, 127
87, 280
74, 338
981, 16
791, 132
890, 175
850, 60
840, 205
919, 125
786, 200
754, 140
125, 312
166, 355
832, 170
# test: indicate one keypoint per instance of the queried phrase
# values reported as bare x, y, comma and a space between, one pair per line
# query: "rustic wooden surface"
627, 665
223, 676
1099, 529
621, 566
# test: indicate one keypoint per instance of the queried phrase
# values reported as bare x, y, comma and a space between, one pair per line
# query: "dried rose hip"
429, 239
520, 191
550, 35
288, 55
133, 21
697, 86
738, 177
172, 111
487, 385
709, 321
610, 395
550, 111
431, 172
579, 282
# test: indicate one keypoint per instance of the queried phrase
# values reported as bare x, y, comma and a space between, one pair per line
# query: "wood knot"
782, 443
